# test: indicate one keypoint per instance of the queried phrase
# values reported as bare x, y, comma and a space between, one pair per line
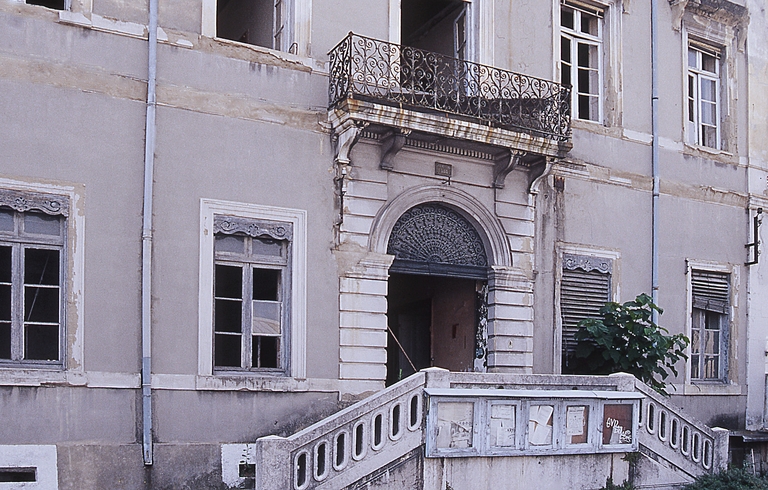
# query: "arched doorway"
437, 292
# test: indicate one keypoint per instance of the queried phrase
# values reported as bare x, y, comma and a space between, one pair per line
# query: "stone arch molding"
493, 236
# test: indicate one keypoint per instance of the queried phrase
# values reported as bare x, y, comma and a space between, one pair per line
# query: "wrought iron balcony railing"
369, 69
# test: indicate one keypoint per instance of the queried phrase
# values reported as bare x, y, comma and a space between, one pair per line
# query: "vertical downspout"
146, 241
655, 155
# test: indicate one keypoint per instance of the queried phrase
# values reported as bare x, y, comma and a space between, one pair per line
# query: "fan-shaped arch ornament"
435, 235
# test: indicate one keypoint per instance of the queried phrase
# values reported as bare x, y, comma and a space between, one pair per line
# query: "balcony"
408, 88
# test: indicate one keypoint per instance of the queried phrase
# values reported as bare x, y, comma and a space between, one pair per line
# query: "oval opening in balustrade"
301, 476
696, 447
378, 423
651, 424
321, 461
340, 460
359, 438
663, 425
394, 422
413, 420
686, 441
674, 436
707, 454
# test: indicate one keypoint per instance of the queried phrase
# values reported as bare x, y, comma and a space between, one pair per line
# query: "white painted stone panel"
352, 370
356, 238
512, 362
504, 297
356, 224
362, 207
363, 337
517, 227
522, 244
508, 312
365, 286
373, 190
514, 211
363, 302
511, 328
366, 355
361, 319
510, 344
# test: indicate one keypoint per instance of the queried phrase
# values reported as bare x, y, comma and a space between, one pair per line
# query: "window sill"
596, 128
259, 54
710, 153
706, 388
59, 377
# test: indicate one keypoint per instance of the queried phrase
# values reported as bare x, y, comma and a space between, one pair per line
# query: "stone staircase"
382, 434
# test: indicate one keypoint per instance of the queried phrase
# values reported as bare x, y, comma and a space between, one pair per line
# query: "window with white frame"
585, 287
265, 23
251, 284
710, 293
703, 95
32, 244
581, 52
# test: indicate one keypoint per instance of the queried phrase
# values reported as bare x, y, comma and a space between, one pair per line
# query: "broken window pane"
248, 21
566, 18
51, 4
228, 315
41, 342
617, 424
265, 284
41, 304
5, 340
267, 352
41, 266
227, 347
5, 265
228, 282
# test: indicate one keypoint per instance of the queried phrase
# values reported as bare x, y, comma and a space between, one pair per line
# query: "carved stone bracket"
24, 201
346, 136
587, 263
230, 225
538, 173
504, 164
391, 144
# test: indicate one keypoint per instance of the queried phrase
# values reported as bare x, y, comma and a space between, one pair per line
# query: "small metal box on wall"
467, 422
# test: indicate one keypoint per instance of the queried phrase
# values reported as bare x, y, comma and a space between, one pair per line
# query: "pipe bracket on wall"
757, 220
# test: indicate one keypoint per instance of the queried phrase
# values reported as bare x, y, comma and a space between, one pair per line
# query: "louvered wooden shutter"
710, 291
582, 294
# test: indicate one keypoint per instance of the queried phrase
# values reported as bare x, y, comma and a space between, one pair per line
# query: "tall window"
703, 99
258, 22
581, 41
251, 284
584, 289
709, 325
32, 240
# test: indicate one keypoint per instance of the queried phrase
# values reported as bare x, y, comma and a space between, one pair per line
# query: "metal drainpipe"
146, 241
655, 155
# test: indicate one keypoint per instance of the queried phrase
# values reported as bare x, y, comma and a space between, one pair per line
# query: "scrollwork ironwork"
362, 67
436, 234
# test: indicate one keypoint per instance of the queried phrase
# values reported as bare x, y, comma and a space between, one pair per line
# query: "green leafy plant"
626, 339
731, 479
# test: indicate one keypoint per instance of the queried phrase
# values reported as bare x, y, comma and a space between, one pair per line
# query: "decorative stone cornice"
230, 225
587, 263
23, 201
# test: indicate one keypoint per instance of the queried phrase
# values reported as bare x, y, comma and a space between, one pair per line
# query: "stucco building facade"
221, 221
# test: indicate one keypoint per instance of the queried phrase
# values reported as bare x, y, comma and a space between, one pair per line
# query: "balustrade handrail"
363, 67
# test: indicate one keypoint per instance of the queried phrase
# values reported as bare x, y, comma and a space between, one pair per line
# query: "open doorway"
439, 26
433, 321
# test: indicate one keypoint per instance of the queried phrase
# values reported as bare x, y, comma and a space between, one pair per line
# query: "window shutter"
582, 294
710, 290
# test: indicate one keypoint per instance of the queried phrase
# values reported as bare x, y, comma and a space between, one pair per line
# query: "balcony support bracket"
391, 144
345, 137
504, 164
